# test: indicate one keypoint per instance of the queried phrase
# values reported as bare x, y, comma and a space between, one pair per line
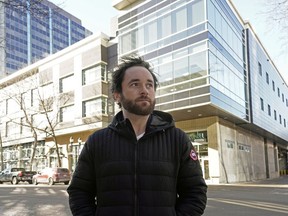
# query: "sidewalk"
281, 182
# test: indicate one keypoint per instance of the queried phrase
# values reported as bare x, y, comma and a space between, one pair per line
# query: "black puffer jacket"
158, 175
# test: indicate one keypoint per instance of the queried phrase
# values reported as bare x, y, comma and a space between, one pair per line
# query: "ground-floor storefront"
227, 152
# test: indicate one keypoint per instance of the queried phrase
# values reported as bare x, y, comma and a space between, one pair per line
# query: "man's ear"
117, 97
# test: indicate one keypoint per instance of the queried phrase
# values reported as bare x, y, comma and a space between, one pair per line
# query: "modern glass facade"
197, 48
269, 98
32, 34
227, 63
208, 62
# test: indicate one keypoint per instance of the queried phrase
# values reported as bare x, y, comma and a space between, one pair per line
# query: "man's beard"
132, 107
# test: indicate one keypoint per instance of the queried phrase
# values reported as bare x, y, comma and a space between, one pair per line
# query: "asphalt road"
265, 198
31, 200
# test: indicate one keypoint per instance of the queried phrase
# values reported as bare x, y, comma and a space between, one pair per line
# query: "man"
141, 164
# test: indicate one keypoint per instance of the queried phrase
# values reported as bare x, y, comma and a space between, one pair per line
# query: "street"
266, 198
243, 200
32, 200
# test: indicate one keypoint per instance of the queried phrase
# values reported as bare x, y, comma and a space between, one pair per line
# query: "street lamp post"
70, 153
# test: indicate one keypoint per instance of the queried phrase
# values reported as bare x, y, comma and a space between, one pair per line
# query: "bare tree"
276, 12
43, 115
19, 94
1, 152
49, 107
34, 8
48, 101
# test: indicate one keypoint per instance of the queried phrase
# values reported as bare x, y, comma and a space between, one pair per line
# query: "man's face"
138, 91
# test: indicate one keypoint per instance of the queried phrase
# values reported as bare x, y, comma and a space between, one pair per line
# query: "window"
150, 32
95, 107
66, 84
94, 74
267, 78
262, 104
11, 106
278, 90
283, 97
11, 129
46, 91
25, 100
269, 110
67, 114
40, 120
34, 97
273, 85
2, 108
260, 68
180, 66
24, 128
180, 20
198, 14
280, 119
164, 26
284, 122
275, 115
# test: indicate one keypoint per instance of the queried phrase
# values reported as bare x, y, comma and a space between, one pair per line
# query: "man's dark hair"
125, 63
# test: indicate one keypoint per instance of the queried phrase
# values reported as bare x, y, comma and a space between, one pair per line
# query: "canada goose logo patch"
193, 155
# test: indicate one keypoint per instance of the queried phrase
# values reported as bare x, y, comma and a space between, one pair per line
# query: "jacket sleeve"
191, 186
82, 189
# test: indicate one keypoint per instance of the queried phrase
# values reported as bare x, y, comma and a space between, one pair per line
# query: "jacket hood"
158, 121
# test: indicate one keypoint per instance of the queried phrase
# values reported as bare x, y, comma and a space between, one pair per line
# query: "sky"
96, 15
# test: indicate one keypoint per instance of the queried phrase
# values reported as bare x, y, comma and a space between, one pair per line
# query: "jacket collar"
157, 121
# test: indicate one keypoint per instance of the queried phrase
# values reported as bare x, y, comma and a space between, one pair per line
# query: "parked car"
15, 175
52, 176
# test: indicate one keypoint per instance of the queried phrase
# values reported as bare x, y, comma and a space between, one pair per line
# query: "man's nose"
144, 90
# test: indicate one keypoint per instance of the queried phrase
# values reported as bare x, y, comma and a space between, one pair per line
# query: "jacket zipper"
135, 180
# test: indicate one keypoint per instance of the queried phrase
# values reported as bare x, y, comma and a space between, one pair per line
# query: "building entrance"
200, 142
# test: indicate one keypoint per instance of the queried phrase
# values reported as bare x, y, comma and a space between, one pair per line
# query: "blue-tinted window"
262, 104
267, 78
278, 90
260, 68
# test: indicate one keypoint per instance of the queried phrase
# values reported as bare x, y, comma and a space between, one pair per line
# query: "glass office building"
192, 49
31, 34
201, 51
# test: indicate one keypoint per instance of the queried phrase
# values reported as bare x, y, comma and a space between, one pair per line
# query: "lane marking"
255, 204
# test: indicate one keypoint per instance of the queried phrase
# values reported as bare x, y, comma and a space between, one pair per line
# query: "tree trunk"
1, 153
33, 149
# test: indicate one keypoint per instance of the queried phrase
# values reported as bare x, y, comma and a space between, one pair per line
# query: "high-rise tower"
31, 30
